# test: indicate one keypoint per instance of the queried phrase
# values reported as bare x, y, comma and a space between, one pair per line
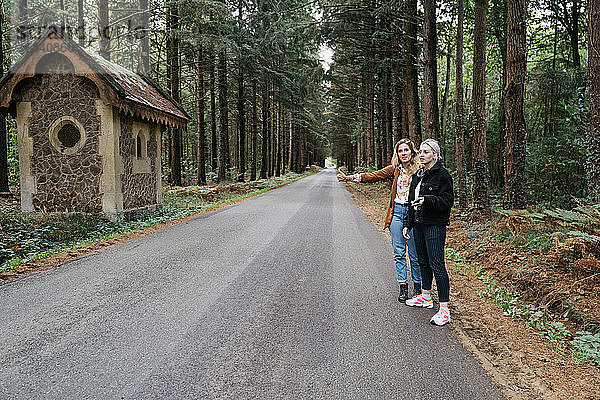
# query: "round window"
67, 135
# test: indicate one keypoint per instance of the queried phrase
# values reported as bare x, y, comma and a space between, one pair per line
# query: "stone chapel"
89, 130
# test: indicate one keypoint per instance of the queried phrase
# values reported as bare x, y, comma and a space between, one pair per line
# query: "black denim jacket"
436, 189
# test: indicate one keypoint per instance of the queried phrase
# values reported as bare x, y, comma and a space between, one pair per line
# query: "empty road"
288, 295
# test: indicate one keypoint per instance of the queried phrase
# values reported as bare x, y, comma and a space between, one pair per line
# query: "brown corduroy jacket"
388, 173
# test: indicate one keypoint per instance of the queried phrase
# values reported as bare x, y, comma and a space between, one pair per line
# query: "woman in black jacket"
431, 197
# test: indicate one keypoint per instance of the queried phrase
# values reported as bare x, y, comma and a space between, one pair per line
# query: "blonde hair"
413, 164
435, 147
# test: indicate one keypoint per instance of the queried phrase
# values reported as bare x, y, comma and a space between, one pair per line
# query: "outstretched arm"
345, 178
384, 174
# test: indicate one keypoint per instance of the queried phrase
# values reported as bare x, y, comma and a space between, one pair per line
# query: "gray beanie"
435, 146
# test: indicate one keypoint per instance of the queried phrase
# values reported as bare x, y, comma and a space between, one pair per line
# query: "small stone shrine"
89, 130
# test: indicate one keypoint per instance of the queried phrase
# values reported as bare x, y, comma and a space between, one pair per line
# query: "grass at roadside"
28, 237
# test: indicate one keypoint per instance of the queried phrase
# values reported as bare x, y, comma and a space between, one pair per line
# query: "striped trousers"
429, 243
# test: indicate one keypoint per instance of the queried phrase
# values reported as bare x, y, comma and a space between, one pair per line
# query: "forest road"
288, 295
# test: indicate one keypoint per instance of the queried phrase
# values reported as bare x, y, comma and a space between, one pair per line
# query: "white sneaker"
441, 318
420, 301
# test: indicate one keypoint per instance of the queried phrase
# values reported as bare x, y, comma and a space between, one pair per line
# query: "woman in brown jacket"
399, 173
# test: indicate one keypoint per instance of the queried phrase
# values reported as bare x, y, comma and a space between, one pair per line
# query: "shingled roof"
132, 93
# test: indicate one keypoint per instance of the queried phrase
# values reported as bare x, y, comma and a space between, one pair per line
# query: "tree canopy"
264, 101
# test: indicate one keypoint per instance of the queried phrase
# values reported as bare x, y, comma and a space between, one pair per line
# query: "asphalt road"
288, 295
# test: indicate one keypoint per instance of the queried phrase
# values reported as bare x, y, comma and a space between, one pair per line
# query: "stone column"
27, 180
156, 131
112, 164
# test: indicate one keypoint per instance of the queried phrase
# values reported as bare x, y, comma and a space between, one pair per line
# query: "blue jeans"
399, 243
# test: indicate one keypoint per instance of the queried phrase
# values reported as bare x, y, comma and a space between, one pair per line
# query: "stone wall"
139, 188
64, 182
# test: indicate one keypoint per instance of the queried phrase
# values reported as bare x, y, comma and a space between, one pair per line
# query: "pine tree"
430, 84
479, 148
459, 116
516, 131
200, 110
103, 29
3, 138
593, 160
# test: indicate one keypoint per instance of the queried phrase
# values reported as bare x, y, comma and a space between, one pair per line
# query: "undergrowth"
532, 240
584, 345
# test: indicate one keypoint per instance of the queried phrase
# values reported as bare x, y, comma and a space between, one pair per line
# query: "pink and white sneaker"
441, 318
420, 301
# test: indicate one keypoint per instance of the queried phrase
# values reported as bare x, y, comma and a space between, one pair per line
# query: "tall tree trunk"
253, 133
279, 141
479, 150
242, 127
360, 148
169, 76
176, 160
459, 125
269, 137
63, 22
396, 85
23, 26
370, 118
272, 133
3, 139
552, 99
497, 172
297, 148
380, 131
411, 55
213, 115
361, 133
445, 103
574, 34
515, 183
173, 71
302, 149
430, 85
275, 119
389, 116
593, 160
200, 127
144, 61
80, 23
497, 175
284, 139
103, 29
291, 143
396, 105
390, 128
223, 118
364, 136
265, 131
233, 143
241, 111
353, 151
404, 111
